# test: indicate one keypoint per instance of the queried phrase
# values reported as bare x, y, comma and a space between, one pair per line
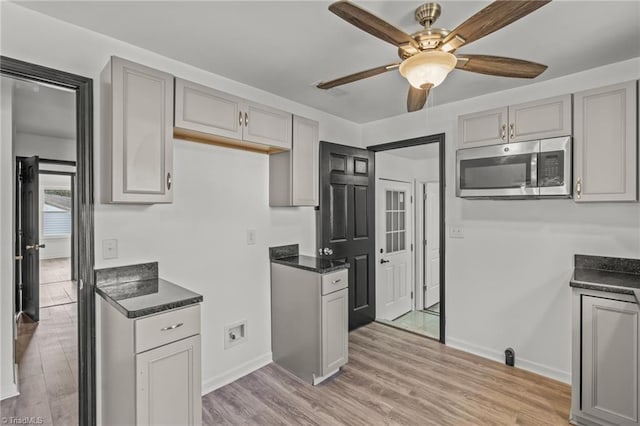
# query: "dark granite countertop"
137, 291
313, 264
289, 256
609, 274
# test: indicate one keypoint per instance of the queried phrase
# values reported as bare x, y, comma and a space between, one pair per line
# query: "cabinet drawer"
335, 281
167, 327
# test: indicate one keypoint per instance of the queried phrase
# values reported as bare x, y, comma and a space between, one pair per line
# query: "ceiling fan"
427, 55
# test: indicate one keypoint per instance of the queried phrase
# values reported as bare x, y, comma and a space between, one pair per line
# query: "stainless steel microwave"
536, 169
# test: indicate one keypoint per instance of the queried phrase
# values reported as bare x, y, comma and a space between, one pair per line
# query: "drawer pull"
172, 327
336, 281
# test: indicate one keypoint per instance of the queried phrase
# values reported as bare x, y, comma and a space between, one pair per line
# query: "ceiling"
284, 47
43, 110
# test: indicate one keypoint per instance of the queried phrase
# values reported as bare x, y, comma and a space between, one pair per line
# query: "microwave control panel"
551, 169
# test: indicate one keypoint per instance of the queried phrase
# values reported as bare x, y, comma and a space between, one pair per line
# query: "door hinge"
411, 198
411, 246
412, 295
20, 286
424, 243
424, 196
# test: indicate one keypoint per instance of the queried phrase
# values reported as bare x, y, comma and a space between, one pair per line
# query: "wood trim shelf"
209, 139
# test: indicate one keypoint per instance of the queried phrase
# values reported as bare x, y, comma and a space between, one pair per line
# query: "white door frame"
411, 238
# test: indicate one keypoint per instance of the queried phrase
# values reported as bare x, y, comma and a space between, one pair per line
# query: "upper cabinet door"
305, 162
267, 126
482, 128
606, 144
205, 110
547, 118
141, 144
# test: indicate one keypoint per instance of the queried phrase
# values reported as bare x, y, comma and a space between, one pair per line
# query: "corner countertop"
289, 256
136, 290
608, 274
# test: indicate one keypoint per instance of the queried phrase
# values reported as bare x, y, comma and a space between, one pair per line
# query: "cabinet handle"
512, 130
336, 281
240, 118
503, 135
169, 181
578, 188
172, 327
246, 119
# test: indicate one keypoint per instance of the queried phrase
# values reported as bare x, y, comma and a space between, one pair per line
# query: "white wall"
507, 280
48, 147
200, 239
389, 166
8, 387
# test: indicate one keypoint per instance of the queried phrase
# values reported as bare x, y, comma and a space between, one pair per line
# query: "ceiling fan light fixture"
428, 68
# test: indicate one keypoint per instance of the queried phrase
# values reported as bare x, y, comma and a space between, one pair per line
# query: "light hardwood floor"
48, 368
394, 377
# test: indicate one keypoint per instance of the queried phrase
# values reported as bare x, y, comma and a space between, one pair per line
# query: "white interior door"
432, 244
394, 273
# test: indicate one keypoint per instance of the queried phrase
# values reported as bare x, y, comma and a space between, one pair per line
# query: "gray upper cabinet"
610, 349
208, 115
483, 128
546, 118
138, 134
293, 175
605, 164
206, 110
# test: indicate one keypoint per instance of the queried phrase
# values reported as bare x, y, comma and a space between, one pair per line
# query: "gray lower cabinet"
309, 321
150, 367
606, 359
203, 113
293, 175
605, 145
137, 134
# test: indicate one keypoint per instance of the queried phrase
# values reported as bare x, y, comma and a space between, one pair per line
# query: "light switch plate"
251, 237
456, 231
110, 249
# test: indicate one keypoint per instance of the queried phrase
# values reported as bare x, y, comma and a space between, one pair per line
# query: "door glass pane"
395, 221
401, 198
401, 240
401, 216
395, 200
389, 206
389, 242
389, 219
395, 241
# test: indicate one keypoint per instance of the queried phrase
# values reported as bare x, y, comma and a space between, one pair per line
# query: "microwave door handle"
534, 170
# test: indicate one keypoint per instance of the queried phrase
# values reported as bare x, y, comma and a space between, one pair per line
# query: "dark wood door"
29, 228
346, 225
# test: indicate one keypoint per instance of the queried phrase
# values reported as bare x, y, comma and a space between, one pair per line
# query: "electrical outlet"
110, 249
235, 334
456, 232
251, 237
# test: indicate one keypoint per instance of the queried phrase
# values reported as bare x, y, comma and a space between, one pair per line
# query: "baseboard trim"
524, 364
234, 374
9, 393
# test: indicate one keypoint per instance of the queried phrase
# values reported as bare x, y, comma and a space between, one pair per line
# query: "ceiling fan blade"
417, 97
357, 76
500, 66
497, 15
370, 23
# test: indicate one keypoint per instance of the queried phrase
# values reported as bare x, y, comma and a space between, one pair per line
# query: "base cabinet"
606, 380
150, 367
167, 390
309, 321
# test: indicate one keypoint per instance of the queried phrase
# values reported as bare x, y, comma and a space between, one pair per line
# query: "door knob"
35, 247
325, 251
384, 261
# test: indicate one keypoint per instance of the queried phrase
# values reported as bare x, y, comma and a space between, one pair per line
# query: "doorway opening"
410, 235
47, 218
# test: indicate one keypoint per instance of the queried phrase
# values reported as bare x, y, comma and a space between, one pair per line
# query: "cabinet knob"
240, 118
503, 135
169, 181
512, 130
246, 119
578, 188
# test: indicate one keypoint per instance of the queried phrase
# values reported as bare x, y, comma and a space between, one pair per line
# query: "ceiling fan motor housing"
427, 14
